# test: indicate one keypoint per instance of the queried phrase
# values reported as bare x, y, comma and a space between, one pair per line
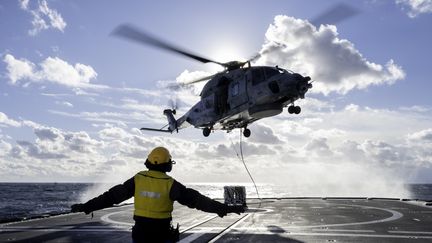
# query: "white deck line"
229, 228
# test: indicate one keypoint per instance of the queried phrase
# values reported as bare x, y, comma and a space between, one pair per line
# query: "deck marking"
410, 232
364, 235
345, 230
193, 236
64, 229
346, 235
108, 220
199, 223
229, 228
395, 215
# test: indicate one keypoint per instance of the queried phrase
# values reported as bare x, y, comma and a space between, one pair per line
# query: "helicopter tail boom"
173, 124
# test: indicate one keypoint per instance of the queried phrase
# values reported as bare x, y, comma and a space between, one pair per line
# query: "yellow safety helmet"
159, 155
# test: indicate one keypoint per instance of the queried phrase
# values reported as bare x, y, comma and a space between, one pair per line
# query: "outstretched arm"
193, 199
115, 195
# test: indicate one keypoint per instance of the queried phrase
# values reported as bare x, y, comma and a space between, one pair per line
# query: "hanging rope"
241, 158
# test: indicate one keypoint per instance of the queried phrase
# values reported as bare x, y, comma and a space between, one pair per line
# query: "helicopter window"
257, 76
270, 72
235, 89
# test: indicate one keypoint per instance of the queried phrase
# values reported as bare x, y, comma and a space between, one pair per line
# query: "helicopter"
240, 94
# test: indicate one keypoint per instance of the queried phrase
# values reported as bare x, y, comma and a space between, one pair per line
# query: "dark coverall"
151, 229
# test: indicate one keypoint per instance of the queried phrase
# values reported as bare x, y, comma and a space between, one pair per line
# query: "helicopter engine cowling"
265, 110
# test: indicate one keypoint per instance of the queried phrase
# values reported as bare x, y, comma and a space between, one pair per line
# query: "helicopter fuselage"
239, 97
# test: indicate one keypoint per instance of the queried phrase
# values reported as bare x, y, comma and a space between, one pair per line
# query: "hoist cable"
241, 158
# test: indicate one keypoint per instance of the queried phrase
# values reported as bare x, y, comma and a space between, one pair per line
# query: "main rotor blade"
268, 51
132, 33
176, 86
335, 14
201, 79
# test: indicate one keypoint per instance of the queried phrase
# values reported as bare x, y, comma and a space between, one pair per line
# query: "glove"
222, 212
79, 208
236, 209
230, 209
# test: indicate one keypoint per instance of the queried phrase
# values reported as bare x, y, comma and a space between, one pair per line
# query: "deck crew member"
154, 193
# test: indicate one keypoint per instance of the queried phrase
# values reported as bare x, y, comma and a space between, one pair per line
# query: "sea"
21, 201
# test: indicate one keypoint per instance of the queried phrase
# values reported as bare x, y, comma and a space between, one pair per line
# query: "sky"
73, 96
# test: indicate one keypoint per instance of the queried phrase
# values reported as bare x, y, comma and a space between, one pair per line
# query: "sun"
225, 52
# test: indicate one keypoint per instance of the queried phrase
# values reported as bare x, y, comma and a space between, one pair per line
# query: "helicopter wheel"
294, 109
291, 109
206, 132
247, 132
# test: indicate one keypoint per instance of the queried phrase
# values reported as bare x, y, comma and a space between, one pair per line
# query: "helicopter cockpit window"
235, 89
257, 76
270, 72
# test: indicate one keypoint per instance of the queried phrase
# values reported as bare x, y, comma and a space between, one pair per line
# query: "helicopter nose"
303, 85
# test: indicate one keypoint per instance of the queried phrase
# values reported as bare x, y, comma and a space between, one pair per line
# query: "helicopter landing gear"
294, 109
206, 131
246, 132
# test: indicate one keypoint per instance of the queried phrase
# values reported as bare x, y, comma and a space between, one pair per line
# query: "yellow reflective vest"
151, 198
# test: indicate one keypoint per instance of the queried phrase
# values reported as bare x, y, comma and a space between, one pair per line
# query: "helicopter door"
237, 93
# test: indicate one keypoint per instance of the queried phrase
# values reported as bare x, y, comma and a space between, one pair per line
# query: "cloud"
52, 69
225, 150
113, 133
424, 136
5, 120
319, 147
334, 145
81, 142
416, 7
264, 134
5, 147
18, 69
24, 4
64, 103
117, 118
382, 152
47, 134
43, 17
332, 62
33, 150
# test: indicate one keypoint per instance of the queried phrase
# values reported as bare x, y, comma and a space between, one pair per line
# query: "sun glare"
225, 53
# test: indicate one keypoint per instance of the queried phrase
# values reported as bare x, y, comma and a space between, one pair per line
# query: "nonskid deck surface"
272, 220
